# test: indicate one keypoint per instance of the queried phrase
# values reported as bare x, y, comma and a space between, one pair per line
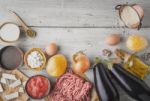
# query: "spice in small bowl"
35, 59
37, 87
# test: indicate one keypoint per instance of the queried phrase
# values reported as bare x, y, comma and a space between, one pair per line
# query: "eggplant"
132, 85
105, 88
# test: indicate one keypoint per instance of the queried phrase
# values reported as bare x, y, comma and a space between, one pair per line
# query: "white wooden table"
73, 24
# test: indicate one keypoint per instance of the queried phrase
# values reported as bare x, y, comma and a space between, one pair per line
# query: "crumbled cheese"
21, 90
15, 84
35, 59
9, 76
1, 88
3, 80
12, 96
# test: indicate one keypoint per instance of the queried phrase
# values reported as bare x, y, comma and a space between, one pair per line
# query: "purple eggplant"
134, 87
105, 88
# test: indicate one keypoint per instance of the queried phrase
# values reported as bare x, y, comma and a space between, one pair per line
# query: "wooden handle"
20, 20
118, 7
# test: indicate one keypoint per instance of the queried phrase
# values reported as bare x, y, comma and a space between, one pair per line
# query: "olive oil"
133, 64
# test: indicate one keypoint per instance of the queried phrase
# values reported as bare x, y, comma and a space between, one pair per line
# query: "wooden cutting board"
8, 90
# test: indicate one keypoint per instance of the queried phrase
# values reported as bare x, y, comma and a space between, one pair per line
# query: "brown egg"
51, 49
113, 39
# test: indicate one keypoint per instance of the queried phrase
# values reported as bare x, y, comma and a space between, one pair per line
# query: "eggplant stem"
97, 60
107, 62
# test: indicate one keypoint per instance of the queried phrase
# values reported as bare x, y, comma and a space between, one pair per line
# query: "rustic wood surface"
69, 13
74, 25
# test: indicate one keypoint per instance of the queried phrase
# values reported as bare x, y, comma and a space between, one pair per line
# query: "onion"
81, 63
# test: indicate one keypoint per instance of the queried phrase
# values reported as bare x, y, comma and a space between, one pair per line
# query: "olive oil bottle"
133, 64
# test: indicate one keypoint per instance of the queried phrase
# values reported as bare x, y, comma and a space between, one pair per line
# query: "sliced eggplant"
104, 86
134, 87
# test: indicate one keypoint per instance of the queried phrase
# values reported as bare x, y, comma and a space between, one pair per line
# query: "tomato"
38, 86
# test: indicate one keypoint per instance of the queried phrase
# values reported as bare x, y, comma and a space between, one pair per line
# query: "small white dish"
9, 32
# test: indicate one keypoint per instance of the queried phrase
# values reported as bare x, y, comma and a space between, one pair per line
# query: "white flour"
9, 32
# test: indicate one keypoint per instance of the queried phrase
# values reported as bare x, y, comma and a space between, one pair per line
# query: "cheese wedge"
12, 96
1, 88
3, 80
9, 76
15, 83
21, 90
24, 83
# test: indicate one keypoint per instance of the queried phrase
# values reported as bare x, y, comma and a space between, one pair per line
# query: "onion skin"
81, 63
139, 10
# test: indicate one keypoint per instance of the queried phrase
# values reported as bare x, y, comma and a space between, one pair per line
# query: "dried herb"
106, 52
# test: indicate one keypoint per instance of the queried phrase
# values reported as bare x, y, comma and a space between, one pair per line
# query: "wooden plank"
71, 40
68, 13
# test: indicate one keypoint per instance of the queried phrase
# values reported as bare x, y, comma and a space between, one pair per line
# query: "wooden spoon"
29, 32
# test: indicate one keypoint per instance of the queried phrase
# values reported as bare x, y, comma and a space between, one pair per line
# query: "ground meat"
70, 87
